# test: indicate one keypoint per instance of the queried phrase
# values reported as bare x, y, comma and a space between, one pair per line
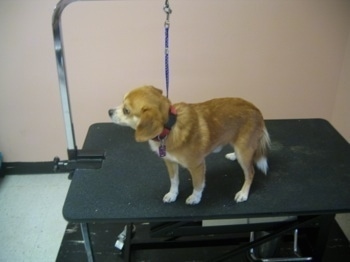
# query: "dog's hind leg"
173, 170
245, 159
198, 181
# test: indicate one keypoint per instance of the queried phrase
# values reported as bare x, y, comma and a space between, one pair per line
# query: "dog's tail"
260, 157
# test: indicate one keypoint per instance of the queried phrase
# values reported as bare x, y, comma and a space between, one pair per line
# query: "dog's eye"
126, 111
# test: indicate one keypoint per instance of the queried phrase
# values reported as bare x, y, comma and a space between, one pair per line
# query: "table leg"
325, 224
87, 242
127, 246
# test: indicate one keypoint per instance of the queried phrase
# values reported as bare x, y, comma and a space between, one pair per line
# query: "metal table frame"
169, 235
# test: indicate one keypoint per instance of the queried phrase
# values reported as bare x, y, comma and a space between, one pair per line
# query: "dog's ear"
150, 124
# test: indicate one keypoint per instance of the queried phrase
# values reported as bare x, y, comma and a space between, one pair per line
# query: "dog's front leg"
198, 181
173, 170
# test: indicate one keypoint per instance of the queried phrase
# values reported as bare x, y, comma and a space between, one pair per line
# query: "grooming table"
309, 178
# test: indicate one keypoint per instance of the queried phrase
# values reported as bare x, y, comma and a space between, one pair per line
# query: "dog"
185, 134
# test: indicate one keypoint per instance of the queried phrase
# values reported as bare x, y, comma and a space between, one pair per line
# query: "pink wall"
291, 58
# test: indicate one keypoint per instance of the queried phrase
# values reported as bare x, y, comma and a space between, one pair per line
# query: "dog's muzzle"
111, 112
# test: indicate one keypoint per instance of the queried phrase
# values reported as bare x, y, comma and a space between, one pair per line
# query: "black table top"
309, 174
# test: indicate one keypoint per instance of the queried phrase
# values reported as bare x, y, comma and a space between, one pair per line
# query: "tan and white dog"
186, 133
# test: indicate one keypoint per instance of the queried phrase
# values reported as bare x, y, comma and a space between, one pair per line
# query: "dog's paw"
193, 199
241, 197
231, 156
169, 197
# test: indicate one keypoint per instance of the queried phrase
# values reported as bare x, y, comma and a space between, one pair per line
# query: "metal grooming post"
73, 153
62, 76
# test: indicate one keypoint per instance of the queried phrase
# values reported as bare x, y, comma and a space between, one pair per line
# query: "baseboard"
23, 168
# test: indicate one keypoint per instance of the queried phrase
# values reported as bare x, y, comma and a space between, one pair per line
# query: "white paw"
241, 196
193, 199
169, 197
231, 156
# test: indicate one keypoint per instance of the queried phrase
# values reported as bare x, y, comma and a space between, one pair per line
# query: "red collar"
168, 125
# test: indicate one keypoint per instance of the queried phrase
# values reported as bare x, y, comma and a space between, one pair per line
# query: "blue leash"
167, 60
168, 11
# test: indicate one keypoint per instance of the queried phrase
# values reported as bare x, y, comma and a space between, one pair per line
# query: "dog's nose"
111, 112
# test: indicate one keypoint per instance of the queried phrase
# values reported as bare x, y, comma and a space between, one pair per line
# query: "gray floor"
31, 222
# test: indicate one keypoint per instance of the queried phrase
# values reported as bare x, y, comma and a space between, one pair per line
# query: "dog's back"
222, 121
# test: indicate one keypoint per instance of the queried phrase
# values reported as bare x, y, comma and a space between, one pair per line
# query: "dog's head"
144, 109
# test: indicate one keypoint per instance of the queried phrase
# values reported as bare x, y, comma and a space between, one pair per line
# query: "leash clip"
168, 12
